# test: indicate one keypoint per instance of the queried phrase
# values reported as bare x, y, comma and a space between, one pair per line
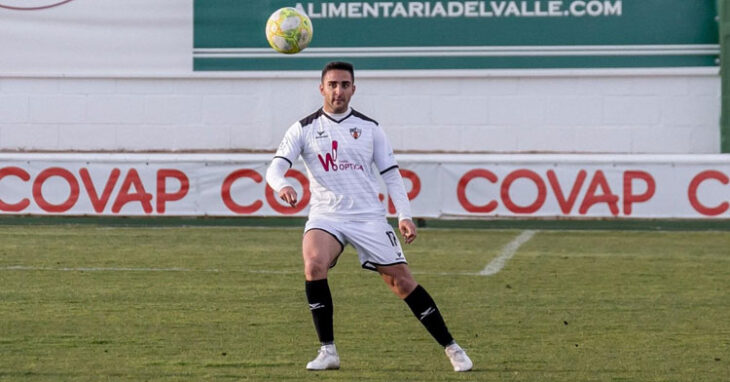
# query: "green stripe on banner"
396, 63
298, 222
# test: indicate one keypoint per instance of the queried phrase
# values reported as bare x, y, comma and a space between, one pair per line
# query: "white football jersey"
339, 157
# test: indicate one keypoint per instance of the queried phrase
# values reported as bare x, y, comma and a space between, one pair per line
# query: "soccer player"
339, 146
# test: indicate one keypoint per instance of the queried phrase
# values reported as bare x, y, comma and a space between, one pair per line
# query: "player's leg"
401, 282
398, 278
319, 251
379, 250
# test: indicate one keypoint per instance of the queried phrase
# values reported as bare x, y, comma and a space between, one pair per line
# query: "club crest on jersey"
355, 132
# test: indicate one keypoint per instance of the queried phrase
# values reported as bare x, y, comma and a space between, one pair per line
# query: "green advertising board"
444, 35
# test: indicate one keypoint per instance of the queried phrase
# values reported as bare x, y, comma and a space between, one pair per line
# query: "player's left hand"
408, 230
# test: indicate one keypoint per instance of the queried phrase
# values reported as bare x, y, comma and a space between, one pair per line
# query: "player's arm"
289, 149
397, 192
276, 178
385, 161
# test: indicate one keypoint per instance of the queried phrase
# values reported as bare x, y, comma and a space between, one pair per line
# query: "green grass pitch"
91, 303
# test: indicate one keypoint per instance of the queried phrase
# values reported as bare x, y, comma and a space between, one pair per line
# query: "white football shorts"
374, 240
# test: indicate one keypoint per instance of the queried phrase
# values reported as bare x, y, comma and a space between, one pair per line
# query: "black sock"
320, 304
424, 308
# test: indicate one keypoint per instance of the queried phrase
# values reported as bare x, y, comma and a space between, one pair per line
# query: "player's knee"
311, 274
315, 268
406, 286
402, 285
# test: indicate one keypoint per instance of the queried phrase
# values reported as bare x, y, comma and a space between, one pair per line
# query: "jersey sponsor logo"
355, 132
349, 166
329, 160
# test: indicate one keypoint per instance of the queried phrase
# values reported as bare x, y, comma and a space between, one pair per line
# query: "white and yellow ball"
288, 30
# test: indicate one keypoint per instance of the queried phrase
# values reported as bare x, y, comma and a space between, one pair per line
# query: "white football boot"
458, 358
327, 358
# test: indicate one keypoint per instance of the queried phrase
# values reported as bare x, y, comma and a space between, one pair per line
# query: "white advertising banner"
446, 186
96, 37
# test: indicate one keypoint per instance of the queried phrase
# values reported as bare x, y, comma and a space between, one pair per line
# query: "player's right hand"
288, 195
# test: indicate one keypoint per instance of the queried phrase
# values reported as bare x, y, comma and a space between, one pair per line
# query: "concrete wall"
616, 113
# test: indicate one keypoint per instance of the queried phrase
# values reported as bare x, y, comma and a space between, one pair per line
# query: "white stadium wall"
614, 113
134, 75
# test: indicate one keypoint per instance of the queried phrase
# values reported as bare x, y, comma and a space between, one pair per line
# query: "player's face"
337, 89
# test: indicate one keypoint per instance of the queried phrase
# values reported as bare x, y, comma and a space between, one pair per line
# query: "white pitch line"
507, 253
131, 269
102, 269
20, 268
492, 268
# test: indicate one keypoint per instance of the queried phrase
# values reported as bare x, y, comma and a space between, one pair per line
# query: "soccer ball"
288, 30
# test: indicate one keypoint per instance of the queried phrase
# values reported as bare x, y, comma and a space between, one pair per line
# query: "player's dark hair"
339, 65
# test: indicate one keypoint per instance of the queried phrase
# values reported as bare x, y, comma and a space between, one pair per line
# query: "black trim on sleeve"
286, 159
308, 120
363, 117
388, 169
